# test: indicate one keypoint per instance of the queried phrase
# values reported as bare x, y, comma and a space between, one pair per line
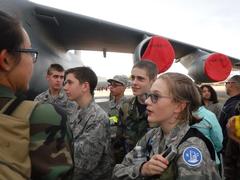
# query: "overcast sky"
211, 24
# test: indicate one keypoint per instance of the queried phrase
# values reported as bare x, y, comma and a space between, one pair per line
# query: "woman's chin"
151, 120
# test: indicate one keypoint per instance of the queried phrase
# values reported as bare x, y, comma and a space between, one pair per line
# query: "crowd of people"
169, 129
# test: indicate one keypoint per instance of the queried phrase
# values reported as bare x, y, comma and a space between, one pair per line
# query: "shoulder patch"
192, 156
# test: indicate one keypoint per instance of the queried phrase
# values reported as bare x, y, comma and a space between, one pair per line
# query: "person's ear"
5, 60
47, 77
85, 86
180, 107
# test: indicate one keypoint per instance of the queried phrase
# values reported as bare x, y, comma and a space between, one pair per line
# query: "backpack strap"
24, 110
193, 132
125, 107
12, 105
19, 108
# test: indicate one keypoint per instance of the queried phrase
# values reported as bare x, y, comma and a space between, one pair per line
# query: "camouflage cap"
123, 79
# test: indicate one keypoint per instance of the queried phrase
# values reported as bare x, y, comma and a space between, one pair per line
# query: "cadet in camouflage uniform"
132, 116
117, 87
49, 142
90, 127
170, 104
55, 94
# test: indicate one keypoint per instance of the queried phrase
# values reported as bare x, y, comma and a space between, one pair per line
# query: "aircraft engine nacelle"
210, 68
156, 49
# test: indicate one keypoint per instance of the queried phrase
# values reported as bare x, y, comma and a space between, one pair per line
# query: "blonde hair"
183, 89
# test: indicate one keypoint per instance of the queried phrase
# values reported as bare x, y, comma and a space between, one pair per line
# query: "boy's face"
141, 83
73, 88
116, 88
55, 80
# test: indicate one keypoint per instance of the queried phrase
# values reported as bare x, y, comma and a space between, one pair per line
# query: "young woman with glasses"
170, 104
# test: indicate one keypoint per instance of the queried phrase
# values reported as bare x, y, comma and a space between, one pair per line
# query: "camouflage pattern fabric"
50, 141
60, 100
131, 127
50, 145
113, 114
155, 143
92, 152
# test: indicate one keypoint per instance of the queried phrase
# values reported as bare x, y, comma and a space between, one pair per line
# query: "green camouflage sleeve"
128, 170
50, 144
39, 97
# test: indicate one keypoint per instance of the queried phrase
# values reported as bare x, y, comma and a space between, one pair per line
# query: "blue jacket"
210, 127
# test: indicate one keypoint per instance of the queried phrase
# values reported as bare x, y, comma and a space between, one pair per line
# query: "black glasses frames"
33, 52
114, 85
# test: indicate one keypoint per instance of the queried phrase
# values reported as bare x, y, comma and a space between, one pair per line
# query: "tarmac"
102, 97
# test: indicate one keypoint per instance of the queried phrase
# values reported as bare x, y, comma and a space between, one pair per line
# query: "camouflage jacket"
115, 107
91, 134
113, 114
192, 161
50, 141
60, 100
132, 124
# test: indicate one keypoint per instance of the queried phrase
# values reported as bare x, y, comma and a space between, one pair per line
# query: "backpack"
14, 139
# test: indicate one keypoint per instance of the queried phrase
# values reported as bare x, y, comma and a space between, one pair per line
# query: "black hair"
11, 36
84, 74
213, 93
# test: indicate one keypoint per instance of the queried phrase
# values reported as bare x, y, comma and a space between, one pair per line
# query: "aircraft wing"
53, 32
74, 31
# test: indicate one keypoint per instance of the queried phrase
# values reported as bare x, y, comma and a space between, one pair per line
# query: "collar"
233, 98
209, 103
81, 110
113, 103
177, 133
6, 92
60, 95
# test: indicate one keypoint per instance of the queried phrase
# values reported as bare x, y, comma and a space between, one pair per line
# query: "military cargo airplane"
54, 32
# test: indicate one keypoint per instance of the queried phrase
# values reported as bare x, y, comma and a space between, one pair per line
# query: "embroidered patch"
192, 156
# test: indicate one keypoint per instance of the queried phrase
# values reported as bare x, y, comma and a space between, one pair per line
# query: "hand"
232, 130
155, 166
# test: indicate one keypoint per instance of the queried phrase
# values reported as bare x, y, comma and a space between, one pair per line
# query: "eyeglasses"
33, 52
114, 85
154, 97
230, 82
